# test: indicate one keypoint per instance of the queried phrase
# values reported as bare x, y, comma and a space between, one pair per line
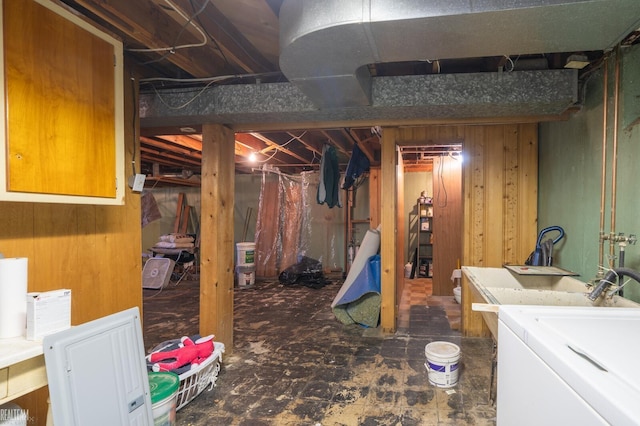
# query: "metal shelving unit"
425, 240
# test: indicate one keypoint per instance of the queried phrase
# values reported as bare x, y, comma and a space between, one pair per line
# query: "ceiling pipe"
611, 237
603, 186
614, 158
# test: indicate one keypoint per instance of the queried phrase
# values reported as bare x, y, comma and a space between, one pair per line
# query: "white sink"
518, 296
499, 286
503, 278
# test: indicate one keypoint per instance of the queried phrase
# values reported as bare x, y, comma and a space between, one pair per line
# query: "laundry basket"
194, 381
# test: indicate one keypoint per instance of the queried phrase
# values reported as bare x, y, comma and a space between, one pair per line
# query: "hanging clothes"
328, 186
358, 164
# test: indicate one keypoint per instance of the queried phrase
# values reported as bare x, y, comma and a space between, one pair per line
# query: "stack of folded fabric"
175, 241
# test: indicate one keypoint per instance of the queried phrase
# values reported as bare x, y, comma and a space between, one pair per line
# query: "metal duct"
327, 45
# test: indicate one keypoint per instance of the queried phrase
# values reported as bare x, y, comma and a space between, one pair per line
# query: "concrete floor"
294, 363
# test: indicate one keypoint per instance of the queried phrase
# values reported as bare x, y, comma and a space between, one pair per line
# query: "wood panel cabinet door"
63, 100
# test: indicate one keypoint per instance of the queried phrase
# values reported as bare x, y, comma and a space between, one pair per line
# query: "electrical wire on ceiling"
210, 81
206, 36
241, 45
437, 62
189, 21
278, 147
213, 40
513, 64
440, 202
184, 104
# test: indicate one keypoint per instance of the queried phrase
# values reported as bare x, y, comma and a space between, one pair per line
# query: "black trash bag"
306, 272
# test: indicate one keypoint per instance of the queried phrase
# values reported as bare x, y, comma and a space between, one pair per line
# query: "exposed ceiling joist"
459, 80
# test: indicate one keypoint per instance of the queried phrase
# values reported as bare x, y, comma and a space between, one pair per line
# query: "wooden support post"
216, 243
388, 235
374, 197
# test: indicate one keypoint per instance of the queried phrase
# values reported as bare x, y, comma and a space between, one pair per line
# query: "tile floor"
293, 363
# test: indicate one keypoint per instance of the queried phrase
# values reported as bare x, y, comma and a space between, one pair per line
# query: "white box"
48, 312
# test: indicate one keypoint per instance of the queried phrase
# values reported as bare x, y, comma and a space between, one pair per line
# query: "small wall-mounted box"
48, 312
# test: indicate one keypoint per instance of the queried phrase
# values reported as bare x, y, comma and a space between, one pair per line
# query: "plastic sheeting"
149, 208
290, 224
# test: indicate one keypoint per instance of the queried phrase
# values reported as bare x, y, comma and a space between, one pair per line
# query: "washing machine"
568, 366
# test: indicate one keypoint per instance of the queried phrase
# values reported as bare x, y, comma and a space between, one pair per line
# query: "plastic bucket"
246, 254
164, 397
246, 276
457, 294
442, 363
407, 270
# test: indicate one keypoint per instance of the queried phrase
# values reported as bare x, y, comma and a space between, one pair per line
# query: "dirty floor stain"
294, 363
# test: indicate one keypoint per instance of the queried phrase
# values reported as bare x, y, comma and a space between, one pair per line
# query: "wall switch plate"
136, 182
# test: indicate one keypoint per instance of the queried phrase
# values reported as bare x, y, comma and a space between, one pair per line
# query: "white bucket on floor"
164, 397
246, 253
246, 276
442, 363
407, 270
457, 294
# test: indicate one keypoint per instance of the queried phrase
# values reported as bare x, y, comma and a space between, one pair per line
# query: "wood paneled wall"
447, 201
500, 202
93, 250
447, 223
499, 188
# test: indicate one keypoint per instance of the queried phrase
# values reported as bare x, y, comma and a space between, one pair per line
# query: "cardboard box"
48, 312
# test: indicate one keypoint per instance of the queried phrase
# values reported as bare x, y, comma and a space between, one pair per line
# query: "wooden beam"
388, 234
256, 143
139, 20
216, 244
168, 160
233, 44
363, 147
189, 142
152, 181
163, 144
258, 21
310, 146
340, 147
412, 122
274, 145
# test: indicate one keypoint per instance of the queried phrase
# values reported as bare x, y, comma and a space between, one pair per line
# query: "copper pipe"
614, 159
605, 113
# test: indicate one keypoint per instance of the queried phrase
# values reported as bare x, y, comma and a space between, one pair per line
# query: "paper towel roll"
13, 297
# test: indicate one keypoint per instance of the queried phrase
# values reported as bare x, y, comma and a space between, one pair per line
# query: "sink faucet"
609, 279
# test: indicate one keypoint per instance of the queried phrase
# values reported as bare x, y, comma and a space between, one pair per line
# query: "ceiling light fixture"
252, 157
456, 155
